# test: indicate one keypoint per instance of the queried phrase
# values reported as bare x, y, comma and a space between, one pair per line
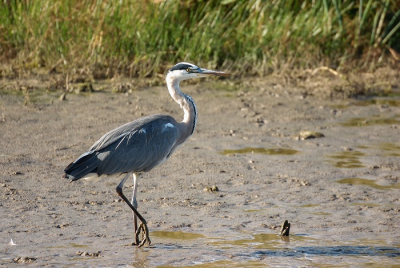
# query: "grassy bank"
142, 38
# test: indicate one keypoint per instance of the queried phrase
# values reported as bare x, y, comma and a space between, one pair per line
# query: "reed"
143, 38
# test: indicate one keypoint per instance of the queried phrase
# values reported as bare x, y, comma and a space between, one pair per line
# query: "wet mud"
339, 190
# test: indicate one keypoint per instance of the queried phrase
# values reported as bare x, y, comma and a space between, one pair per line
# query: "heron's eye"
188, 70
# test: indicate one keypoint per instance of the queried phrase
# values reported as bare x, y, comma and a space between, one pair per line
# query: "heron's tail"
85, 164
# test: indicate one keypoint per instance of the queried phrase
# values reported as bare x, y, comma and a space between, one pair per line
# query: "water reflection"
261, 241
262, 250
142, 258
333, 251
259, 250
222, 264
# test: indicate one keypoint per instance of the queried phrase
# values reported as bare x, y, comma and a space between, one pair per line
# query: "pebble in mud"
305, 135
89, 254
62, 225
211, 189
24, 259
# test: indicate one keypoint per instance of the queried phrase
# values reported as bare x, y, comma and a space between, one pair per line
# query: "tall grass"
142, 38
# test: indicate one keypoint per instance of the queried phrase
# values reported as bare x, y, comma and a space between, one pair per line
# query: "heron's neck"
187, 104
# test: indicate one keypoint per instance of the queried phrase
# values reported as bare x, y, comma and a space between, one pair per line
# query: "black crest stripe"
180, 66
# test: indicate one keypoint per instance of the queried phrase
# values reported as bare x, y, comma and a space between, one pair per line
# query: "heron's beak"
205, 72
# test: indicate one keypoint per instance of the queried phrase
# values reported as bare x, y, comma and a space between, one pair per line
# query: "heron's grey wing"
139, 150
121, 131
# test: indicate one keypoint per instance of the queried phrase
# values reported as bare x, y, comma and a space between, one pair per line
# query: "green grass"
143, 38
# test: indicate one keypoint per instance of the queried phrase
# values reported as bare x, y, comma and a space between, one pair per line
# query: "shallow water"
176, 235
260, 241
378, 101
370, 121
253, 150
390, 101
71, 245
223, 263
384, 148
309, 205
369, 183
347, 159
256, 250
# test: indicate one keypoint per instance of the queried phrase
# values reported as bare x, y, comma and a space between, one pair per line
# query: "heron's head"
185, 70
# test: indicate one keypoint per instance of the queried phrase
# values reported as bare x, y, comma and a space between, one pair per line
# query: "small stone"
211, 189
83, 87
24, 259
305, 135
62, 225
347, 149
63, 96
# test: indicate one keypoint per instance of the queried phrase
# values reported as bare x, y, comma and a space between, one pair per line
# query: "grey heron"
142, 144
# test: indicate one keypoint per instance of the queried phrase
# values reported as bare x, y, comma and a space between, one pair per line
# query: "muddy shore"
339, 191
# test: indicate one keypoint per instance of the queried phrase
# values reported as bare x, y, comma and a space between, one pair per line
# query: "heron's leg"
135, 204
143, 225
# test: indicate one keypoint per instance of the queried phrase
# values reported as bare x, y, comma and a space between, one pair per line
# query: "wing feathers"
85, 164
138, 146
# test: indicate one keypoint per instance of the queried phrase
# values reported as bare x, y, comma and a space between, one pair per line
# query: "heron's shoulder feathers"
144, 124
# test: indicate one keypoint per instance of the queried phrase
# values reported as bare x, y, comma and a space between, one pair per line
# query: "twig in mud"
394, 53
88, 254
54, 67
64, 94
323, 68
285, 229
211, 189
27, 99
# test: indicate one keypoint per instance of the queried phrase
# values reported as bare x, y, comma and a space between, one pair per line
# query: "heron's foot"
137, 240
145, 235
137, 234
